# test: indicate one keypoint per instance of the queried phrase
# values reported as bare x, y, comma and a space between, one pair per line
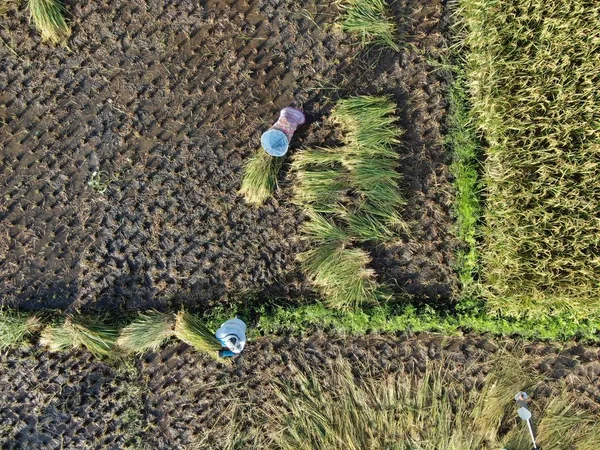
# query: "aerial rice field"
426, 249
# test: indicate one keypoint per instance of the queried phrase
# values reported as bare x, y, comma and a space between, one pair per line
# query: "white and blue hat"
275, 142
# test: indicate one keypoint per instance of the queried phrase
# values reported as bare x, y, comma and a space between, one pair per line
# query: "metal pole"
532, 436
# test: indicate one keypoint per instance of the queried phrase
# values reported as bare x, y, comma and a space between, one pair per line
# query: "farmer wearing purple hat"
277, 139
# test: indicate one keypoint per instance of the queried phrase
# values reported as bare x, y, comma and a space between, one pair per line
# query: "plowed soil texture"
122, 154
178, 399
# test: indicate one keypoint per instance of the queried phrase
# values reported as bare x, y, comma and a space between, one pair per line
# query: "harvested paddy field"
122, 155
164, 102
177, 398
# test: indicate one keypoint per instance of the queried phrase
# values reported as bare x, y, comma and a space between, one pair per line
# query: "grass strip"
462, 142
260, 177
147, 332
396, 317
48, 16
190, 329
407, 318
371, 21
91, 333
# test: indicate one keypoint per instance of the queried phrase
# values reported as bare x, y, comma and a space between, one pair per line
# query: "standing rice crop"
48, 16
533, 71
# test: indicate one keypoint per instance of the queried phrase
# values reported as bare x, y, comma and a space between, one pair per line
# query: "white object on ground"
525, 414
232, 334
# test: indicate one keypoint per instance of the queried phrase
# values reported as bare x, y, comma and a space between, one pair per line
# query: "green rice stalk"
94, 335
320, 230
320, 190
260, 177
190, 329
342, 275
356, 184
48, 18
371, 137
147, 332
15, 327
97, 337
369, 125
371, 21
366, 227
317, 157
378, 188
57, 338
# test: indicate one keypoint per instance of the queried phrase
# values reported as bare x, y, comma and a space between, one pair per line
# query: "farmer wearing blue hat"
276, 140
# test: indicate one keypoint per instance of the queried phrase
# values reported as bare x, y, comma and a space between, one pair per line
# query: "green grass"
260, 177
147, 332
532, 70
93, 334
395, 318
48, 16
371, 21
190, 329
15, 327
462, 142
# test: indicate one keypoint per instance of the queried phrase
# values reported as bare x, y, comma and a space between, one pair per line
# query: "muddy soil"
178, 399
165, 101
